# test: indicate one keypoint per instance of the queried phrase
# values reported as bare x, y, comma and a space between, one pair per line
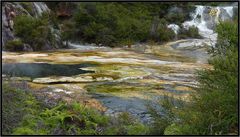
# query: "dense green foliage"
28, 6
227, 39
34, 31
14, 45
162, 120
114, 24
219, 87
24, 114
191, 32
109, 24
163, 33
213, 109
14, 105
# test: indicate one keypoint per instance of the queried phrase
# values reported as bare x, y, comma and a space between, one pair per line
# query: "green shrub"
137, 129
219, 87
164, 119
125, 124
24, 131
28, 6
173, 129
77, 119
115, 24
34, 31
23, 114
165, 34
14, 45
16, 104
112, 23
191, 32
213, 108
67, 31
227, 37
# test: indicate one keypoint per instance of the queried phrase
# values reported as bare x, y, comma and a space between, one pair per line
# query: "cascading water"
174, 27
199, 22
40, 7
205, 18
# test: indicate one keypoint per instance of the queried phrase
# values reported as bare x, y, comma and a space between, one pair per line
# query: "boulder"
7, 34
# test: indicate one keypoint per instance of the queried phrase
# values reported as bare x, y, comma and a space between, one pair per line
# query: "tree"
34, 31
213, 109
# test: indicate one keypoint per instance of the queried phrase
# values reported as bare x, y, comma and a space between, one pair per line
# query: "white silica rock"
174, 27
204, 21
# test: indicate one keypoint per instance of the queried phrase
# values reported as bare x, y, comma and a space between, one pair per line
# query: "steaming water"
37, 70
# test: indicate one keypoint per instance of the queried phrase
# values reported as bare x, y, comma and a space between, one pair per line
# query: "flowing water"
205, 18
115, 80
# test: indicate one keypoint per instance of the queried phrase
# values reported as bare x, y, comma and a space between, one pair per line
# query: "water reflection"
36, 70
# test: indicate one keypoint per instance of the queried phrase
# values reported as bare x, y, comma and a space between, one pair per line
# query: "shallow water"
38, 70
112, 79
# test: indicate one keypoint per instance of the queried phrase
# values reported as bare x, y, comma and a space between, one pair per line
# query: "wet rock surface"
36, 70
11, 10
114, 80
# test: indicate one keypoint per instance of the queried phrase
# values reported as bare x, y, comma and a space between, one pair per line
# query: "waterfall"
40, 7
199, 22
32, 9
174, 27
229, 10
205, 18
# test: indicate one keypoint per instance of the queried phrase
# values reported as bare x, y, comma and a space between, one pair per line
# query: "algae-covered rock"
63, 79
117, 72
75, 79
20, 78
103, 78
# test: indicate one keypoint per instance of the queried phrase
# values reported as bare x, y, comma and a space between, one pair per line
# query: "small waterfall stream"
205, 18
40, 7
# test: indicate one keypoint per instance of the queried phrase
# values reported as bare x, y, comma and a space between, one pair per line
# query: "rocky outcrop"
12, 9
7, 33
